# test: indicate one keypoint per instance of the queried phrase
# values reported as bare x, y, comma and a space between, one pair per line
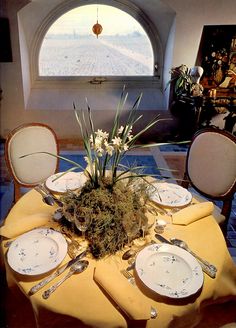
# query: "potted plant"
186, 98
180, 81
110, 208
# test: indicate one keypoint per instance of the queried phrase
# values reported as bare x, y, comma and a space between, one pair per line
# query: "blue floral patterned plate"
69, 181
37, 251
169, 194
169, 270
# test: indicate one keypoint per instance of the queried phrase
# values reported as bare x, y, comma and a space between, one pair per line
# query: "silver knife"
55, 274
205, 268
162, 239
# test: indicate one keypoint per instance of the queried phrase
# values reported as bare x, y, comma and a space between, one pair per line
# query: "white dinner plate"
169, 270
169, 194
69, 181
37, 251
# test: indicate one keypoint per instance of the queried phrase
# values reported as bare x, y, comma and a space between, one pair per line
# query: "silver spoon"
132, 252
128, 254
46, 198
153, 313
48, 193
78, 267
184, 245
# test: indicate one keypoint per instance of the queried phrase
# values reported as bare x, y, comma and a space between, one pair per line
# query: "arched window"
62, 59
71, 48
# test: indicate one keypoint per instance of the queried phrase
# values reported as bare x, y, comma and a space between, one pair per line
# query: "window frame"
72, 81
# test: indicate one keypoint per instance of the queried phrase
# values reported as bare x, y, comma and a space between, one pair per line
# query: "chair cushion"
37, 167
212, 163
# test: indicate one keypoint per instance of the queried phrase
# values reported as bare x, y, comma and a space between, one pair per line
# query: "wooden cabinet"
205, 108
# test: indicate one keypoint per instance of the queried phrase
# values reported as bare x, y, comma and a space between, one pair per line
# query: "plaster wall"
180, 47
192, 15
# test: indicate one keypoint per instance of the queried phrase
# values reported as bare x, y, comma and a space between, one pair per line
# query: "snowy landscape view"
86, 55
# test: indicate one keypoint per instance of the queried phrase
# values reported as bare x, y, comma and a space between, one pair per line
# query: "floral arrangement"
184, 82
112, 201
110, 209
104, 151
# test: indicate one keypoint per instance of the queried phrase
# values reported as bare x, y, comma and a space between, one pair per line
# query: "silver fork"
129, 276
131, 279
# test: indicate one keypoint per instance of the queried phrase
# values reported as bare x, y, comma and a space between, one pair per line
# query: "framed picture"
217, 56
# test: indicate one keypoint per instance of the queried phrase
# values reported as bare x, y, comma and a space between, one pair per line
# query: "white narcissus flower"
101, 134
99, 151
130, 137
125, 147
98, 142
109, 148
120, 129
117, 141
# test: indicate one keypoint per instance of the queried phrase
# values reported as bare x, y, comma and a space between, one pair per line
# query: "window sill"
60, 95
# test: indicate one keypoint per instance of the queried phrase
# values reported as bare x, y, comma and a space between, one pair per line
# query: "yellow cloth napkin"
26, 223
128, 297
192, 213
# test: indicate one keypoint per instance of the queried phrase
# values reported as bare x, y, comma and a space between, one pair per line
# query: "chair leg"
226, 210
17, 193
185, 183
223, 227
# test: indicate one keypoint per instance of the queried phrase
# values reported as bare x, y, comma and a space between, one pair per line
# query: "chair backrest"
211, 168
31, 170
211, 163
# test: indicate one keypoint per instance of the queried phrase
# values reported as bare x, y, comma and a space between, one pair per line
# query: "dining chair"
211, 169
31, 170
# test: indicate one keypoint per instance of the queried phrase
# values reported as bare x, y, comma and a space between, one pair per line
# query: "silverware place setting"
55, 274
207, 267
77, 267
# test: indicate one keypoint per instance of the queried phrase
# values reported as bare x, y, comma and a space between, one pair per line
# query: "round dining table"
82, 300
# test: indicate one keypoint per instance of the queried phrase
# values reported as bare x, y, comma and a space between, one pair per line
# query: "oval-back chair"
211, 167
29, 171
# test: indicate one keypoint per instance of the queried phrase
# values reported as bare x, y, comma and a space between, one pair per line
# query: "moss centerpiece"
110, 209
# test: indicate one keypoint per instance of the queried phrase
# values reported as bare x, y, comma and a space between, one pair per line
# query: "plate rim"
57, 237
168, 184
53, 189
199, 277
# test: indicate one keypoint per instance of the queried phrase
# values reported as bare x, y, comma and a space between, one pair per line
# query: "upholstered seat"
31, 170
211, 167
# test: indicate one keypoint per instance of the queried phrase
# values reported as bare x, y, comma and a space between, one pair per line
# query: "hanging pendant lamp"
97, 28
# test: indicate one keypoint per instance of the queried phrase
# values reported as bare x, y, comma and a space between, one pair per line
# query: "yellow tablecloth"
80, 302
